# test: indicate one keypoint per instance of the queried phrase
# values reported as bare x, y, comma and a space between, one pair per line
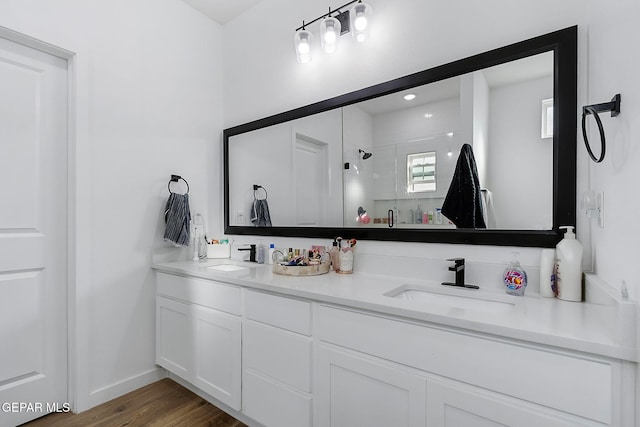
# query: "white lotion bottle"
272, 249
569, 267
548, 273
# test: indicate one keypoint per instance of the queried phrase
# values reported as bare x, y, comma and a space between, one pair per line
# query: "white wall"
357, 131
148, 91
614, 67
520, 155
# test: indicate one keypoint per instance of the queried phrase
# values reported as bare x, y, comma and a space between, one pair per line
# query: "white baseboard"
110, 392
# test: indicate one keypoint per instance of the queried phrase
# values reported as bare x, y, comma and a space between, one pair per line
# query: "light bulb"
302, 44
329, 34
360, 24
303, 47
360, 21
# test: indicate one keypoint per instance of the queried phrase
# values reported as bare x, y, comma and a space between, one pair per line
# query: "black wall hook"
614, 107
176, 178
256, 187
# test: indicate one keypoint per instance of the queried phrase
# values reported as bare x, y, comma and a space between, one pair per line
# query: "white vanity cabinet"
279, 360
276, 385
432, 376
198, 334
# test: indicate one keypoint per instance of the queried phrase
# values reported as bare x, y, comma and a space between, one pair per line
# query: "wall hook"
256, 187
176, 178
614, 107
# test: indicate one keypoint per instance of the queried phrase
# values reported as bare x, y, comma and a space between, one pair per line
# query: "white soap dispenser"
569, 267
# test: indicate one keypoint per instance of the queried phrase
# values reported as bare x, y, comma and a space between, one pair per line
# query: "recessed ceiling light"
428, 115
450, 134
409, 97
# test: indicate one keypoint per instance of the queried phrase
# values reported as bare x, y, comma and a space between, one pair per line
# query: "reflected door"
311, 180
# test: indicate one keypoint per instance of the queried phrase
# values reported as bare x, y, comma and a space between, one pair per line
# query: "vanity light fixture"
302, 41
334, 24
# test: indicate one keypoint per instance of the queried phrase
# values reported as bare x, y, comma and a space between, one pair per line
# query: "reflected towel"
260, 216
463, 204
177, 217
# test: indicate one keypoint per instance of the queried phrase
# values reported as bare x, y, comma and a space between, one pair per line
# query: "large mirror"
384, 162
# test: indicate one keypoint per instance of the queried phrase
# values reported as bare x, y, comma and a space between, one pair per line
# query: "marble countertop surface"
604, 328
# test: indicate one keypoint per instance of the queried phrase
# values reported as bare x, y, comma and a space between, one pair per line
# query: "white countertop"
600, 329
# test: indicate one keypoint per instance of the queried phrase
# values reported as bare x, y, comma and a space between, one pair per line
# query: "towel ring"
614, 107
176, 178
256, 188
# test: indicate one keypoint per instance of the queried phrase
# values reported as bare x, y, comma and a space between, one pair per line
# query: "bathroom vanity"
363, 349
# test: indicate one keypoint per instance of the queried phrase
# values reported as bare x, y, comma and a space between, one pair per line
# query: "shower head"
365, 155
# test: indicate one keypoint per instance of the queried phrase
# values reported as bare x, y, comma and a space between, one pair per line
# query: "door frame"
77, 354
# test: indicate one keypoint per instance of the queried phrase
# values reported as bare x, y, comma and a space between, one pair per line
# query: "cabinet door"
217, 362
357, 390
276, 375
451, 404
173, 338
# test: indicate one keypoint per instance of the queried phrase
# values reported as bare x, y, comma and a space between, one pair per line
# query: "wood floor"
162, 404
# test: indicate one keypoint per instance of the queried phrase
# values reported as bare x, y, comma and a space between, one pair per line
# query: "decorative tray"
301, 270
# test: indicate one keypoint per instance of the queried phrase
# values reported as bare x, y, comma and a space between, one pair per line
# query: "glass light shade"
302, 44
329, 34
361, 21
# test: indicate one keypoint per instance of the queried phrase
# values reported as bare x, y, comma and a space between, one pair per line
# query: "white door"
173, 342
310, 168
33, 233
218, 355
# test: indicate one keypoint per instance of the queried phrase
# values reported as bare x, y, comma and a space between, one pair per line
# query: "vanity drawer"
571, 383
286, 313
274, 405
208, 293
278, 354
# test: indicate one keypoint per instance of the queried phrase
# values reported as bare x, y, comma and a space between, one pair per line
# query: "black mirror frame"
564, 44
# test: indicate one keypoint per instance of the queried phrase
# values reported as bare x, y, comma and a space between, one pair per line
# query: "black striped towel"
177, 218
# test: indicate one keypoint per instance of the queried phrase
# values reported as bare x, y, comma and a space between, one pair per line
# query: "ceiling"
520, 70
222, 11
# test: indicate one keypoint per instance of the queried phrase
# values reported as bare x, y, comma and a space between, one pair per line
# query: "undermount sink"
227, 267
466, 299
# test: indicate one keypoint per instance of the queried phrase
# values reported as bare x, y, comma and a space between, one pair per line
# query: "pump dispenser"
514, 277
333, 254
569, 267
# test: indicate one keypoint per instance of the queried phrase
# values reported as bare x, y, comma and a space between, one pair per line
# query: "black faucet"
252, 252
458, 267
